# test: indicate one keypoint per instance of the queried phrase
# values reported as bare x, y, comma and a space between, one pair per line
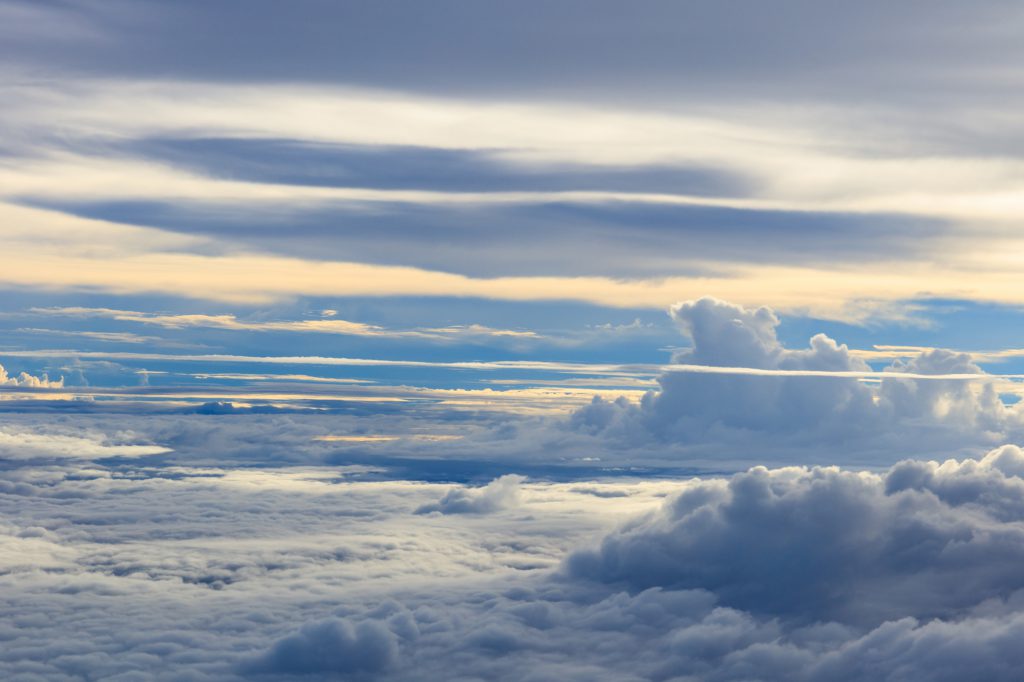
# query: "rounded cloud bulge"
923, 539
738, 387
797, 573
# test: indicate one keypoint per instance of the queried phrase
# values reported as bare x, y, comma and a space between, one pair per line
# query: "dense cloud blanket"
141, 573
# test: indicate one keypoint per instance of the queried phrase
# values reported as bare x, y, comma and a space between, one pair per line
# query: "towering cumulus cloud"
739, 384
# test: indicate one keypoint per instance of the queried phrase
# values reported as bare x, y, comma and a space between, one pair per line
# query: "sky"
529, 341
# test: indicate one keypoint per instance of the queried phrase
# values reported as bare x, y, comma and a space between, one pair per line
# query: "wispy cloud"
322, 326
610, 369
973, 197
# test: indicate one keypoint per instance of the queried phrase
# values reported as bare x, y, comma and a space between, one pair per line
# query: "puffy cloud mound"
330, 647
26, 380
792, 574
501, 493
795, 574
924, 540
793, 411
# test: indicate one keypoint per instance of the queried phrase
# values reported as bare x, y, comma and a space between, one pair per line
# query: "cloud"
813, 574
26, 380
500, 494
797, 52
330, 647
782, 186
540, 365
264, 572
21, 443
323, 326
122, 259
737, 383
923, 540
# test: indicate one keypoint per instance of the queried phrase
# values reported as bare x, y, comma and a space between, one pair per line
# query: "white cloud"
323, 326
26, 380
740, 387
784, 159
500, 494
20, 443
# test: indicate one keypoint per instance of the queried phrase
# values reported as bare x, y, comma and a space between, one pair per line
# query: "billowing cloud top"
739, 384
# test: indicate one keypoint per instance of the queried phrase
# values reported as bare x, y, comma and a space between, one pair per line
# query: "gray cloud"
612, 238
330, 647
163, 571
830, 545
657, 50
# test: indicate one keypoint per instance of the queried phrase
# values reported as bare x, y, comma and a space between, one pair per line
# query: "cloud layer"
154, 568
791, 574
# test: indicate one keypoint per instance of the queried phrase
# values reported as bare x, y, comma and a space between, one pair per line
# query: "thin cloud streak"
322, 326
847, 374
563, 367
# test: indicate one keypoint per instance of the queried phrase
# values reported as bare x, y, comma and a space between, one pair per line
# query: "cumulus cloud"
791, 574
331, 647
501, 493
924, 540
26, 380
810, 574
770, 401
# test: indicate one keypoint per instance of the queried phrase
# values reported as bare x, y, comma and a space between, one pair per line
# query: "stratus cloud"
501, 493
126, 259
26, 380
20, 443
783, 163
785, 159
633, 370
808, 395
323, 326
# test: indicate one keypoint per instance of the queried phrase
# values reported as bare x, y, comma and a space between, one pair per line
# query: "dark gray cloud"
658, 50
331, 647
557, 237
293, 162
831, 545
